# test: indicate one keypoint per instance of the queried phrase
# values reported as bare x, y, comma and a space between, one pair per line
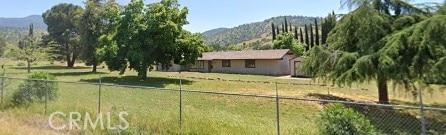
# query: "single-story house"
261, 62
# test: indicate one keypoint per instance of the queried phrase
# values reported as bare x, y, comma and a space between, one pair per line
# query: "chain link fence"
185, 111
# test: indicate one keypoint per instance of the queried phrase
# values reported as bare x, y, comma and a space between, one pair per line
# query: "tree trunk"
382, 91
29, 66
70, 64
143, 71
95, 65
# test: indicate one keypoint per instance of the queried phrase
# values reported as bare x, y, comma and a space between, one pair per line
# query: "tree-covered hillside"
24, 22
14, 29
257, 32
13, 35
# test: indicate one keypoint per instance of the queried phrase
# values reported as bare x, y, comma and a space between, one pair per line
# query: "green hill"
13, 29
13, 35
255, 35
37, 21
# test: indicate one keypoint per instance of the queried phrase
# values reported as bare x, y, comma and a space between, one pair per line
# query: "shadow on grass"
51, 67
76, 73
328, 97
159, 82
395, 120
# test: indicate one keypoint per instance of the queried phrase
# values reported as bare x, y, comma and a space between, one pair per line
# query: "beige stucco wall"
263, 67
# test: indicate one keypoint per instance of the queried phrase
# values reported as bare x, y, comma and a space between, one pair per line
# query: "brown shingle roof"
246, 55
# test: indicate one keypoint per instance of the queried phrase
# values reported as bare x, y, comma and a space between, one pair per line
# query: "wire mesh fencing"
183, 110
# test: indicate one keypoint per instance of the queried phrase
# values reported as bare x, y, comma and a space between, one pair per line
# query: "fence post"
3, 84
277, 110
423, 120
181, 102
46, 94
99, 96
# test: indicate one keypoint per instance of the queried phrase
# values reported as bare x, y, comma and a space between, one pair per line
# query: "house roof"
246, 55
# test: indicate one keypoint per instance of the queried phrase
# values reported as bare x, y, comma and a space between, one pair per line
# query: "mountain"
213, 32
13, 29
256, 35
37, 20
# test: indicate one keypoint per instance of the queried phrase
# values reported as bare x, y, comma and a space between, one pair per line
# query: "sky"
206, 14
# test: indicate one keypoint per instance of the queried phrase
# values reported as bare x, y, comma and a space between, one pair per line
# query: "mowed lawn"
153, 111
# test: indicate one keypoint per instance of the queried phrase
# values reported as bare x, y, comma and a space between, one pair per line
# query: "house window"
226, 63
198, 65
250, 64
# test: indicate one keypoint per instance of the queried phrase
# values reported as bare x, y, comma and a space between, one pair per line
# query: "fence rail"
422, 108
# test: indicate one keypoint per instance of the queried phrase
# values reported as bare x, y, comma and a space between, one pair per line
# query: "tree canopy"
287, 41
370, 43
149, 36
29, 49
63, 27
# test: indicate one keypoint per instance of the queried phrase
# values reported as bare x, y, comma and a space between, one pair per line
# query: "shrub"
340, 120
35, 90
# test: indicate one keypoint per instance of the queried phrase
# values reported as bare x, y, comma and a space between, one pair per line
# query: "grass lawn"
157, 112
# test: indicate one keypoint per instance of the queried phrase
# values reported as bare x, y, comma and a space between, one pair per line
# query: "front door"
210, 66
297, 68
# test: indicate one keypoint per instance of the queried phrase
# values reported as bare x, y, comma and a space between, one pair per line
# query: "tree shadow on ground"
52, 67
76, 73
159, 82
394, 120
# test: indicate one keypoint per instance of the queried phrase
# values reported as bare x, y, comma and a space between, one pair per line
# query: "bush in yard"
35, 90
340, 120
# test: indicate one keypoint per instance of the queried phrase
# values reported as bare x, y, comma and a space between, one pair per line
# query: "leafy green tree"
165, 22
131, 48
152, 35
29, 49
91, 28
189, 49
287, 41
278, 31
108, 47
63, 27
234, 47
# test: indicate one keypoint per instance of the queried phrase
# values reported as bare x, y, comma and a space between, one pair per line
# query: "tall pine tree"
273, 31
316, 32
311, 36
286, 25
301, 36
296, 36
307, 38
328, 24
